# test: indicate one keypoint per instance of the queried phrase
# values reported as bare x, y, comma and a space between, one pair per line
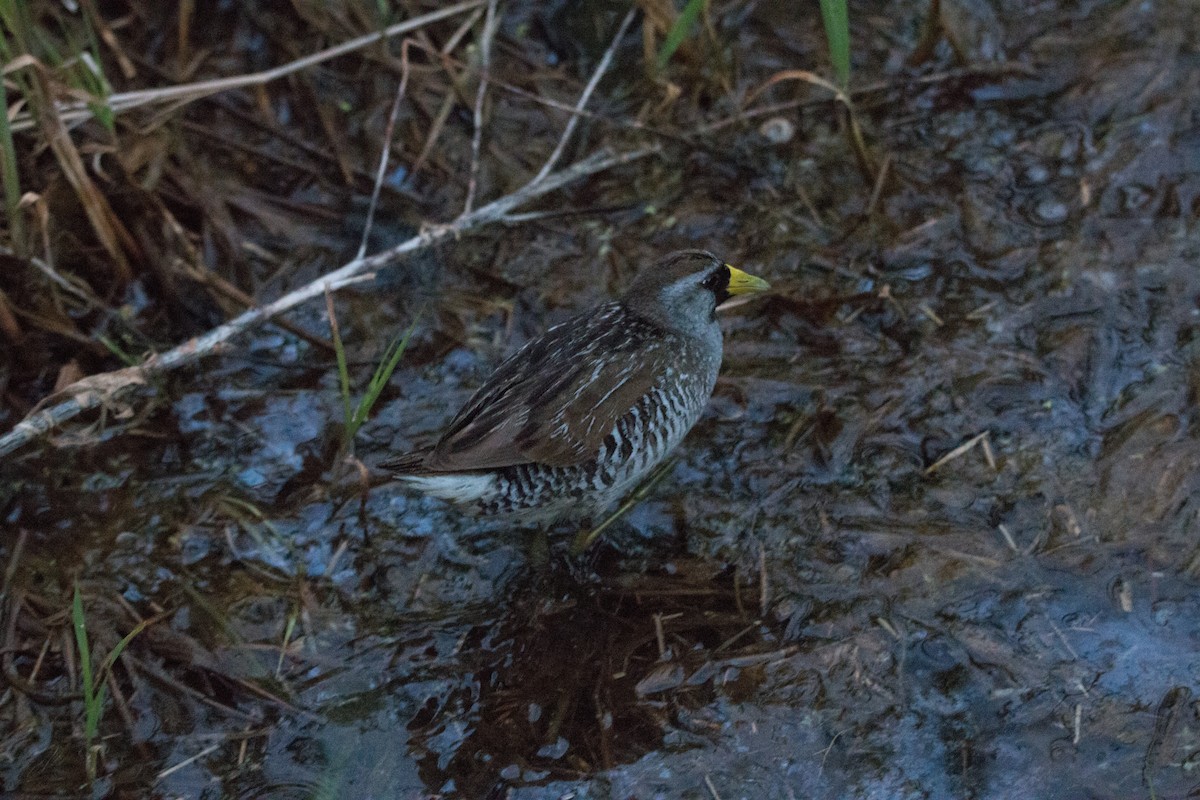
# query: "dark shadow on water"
583, 673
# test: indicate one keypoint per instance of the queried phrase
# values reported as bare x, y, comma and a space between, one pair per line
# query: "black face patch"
717, 282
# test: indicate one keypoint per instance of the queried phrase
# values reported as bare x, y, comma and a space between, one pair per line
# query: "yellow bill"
745, 283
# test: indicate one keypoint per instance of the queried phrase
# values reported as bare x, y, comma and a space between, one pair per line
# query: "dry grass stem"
113, 235
799, 75
601, 68
386, 151
97, 390
490, 25
987, 453
661, 637
462, 31
980, 70
764, 584
931, 314
880, 181
212, 748
124, 101
963, 448
1008, 538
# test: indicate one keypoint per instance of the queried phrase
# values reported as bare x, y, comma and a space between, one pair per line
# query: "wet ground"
935, 538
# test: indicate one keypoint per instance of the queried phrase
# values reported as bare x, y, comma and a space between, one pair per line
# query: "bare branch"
96, 390
601, 68
490, 24
387, 149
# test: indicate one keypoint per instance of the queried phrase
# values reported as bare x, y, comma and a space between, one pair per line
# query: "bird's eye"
717, 280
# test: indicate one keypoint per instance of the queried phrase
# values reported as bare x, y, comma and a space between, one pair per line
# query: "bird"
580, 414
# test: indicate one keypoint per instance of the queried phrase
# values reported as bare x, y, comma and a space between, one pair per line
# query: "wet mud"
936, 536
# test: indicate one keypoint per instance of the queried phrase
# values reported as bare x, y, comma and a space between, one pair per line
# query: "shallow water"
813, 603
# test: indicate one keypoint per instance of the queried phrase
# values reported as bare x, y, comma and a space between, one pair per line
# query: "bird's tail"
459, 487
407, 464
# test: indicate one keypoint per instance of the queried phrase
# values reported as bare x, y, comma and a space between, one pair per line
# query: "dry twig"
601, 68
956, 452
490, 24
387, 149
97, 390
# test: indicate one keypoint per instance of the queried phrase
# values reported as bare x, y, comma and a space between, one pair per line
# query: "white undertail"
457, 487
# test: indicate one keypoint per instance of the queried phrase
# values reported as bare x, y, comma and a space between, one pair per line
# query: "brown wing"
408, 463
555, 400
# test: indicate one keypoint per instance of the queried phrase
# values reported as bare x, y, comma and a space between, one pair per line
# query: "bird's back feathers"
554, 400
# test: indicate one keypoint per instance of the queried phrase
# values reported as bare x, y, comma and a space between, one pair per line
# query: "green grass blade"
93, 78
274, 546
288, 630
836, 16
383, 374
121, 645
81, 642
90, 706
97, 705
679, 31
8, 171
14, 14
339, 350
111, 345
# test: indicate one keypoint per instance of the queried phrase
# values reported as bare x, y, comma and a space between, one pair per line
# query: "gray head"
682, 291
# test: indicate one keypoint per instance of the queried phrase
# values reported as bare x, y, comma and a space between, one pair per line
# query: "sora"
578, 415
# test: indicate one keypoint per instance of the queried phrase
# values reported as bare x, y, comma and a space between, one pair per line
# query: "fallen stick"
97, 390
